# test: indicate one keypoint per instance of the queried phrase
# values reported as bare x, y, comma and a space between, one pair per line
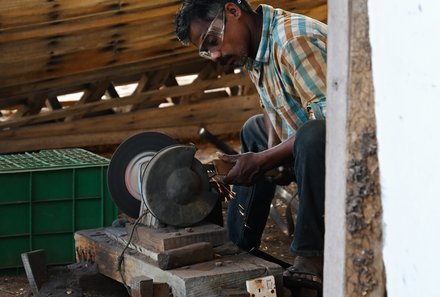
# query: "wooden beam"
199, 280
150, 81
113, 137
184, 114
22, 13
353, 244
53, 103
45, 51
337, 97
180, 121
111, 91
155, 98
93, 93
81, 78
33, 106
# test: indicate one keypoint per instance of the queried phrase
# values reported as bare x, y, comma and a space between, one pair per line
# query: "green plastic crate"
45, 197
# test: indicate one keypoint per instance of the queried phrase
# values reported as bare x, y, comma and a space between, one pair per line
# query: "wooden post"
353, 246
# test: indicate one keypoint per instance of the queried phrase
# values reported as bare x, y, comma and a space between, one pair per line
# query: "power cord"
121, 256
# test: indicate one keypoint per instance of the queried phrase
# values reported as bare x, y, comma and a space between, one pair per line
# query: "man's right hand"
246, 169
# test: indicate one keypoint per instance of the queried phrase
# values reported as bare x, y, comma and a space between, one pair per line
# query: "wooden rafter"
92, 94
56, 48
150, 81
53, 103
33, 106
220, 116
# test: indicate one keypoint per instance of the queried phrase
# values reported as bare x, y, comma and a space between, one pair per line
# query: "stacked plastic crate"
45, 197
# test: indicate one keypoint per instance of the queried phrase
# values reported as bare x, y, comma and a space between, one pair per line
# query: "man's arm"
249, 166
272, 137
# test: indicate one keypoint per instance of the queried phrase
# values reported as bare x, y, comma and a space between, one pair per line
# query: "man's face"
231, 49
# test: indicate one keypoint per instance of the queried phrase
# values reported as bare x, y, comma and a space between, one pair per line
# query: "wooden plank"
92, 94
113, 39
111, 91
33, 106
186, 255
149, 82
181, 115
89, 23
116, 39
89, 138
29, 12
169, 238
353, 246
11, 103
337, 97
53, 103
67, 81
34, 263
200, 280
53, 65
365, 275
155, 97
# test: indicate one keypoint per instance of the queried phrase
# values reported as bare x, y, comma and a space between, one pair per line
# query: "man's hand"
250, 166
246, 168
283, 177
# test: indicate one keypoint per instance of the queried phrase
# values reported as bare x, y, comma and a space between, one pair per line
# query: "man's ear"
233, 10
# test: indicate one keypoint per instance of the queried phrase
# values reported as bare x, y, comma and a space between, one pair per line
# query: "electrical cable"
121, 256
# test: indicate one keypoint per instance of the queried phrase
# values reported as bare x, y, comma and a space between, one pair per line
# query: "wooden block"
168, 238
142, 286
227, 249
187, 255
206, 279
36, 271
161, 290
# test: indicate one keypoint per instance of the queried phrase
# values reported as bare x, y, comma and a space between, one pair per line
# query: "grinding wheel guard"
176, 187
127, 162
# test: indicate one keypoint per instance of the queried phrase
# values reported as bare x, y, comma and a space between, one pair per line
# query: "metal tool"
176, 187
126, 166
151, 172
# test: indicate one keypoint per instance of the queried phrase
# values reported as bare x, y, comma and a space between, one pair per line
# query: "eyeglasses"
213, 38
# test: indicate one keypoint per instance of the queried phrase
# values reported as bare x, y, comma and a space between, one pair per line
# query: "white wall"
405, 37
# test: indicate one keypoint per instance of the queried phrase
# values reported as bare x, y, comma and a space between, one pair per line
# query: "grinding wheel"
176, 187
123, 171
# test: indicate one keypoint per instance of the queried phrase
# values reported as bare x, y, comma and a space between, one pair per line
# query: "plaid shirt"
289, 70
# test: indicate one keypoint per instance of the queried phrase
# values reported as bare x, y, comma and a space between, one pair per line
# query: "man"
285, 55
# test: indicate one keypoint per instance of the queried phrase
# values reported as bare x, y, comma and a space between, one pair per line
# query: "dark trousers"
248, 211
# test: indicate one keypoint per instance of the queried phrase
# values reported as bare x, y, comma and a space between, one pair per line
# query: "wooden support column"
353, 244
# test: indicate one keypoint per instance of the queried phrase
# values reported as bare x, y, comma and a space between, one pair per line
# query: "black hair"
205, 10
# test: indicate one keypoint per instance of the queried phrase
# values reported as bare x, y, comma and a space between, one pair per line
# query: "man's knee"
310, 136
251, 125
253, 135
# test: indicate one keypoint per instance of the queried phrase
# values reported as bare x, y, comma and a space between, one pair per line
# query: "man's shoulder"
287, 26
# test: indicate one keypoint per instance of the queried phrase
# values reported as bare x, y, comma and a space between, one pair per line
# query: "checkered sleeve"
304, 59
